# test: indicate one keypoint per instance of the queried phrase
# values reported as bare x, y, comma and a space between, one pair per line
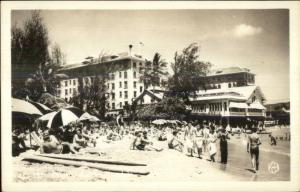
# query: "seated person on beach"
53, 145
86, 134
273, 140
79, 141
18, 139
162, 135
174, 142
142, 143
113, 136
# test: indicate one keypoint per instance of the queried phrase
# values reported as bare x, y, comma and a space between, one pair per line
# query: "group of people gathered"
191, 139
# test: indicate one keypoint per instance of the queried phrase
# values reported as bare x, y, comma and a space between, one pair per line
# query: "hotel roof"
236, 93
105, 59
228, 70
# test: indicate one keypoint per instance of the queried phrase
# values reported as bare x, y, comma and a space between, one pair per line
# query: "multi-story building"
230, 94
122, 78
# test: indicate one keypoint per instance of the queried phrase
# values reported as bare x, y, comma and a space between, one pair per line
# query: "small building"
279, 111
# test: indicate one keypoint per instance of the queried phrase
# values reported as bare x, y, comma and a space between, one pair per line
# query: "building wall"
123, 83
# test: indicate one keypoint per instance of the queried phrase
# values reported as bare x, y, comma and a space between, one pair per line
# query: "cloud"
244, 30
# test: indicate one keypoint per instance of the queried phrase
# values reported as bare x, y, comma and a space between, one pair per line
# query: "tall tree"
188, 72
29, 51
152, 72
91, 96
33, 69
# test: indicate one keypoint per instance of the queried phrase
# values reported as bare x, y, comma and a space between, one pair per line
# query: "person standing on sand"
253, 148
223, 135
212, 145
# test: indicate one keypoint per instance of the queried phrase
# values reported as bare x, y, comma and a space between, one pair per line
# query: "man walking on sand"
253, 148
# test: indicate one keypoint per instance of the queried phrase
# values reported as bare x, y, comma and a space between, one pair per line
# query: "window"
113, 86
70, 82
108, 105
74, 90
74, 82
229, 85
66, 83
120, 105
120, 84
58, 92
134, 65
112, 76
113, 106
125, 85
134, 94
134, 74
120, 95
120, 74
134, 84
219, 86
141, 88
70, 90
225, 106
113, 96
126, 94
141, 63
66, 92
125, 74
126, 103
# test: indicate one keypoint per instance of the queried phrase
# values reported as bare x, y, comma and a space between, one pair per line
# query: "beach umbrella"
47, 116
64, 117
22, 106
41, 107
159, 121
87, 116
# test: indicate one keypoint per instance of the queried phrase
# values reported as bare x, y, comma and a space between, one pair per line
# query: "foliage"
91, 96
152, 72
34, 70
168, 107
188, 72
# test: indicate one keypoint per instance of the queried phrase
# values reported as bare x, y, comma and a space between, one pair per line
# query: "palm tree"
154, 71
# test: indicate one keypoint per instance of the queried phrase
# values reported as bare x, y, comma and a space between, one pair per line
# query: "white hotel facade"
122, 81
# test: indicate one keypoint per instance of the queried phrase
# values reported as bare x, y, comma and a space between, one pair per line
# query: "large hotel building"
230, 92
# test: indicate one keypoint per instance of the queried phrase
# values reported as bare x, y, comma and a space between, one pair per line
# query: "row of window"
113, 105
121, 94
125, 85
67, 91
212, 107
112, 75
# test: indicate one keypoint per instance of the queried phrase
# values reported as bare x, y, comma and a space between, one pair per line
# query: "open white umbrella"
87, 116
22, 106
159, 121
64, 117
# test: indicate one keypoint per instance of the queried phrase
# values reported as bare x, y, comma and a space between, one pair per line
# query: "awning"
238, 105
256, 105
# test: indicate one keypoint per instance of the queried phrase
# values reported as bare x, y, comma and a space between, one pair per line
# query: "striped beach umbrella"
24, 107
64, 117
41, 107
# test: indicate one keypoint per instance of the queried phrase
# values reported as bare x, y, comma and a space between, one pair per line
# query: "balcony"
237, 113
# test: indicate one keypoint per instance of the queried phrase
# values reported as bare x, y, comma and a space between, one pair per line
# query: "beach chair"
36, 139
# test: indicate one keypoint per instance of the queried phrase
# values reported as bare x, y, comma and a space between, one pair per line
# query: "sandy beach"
168, 165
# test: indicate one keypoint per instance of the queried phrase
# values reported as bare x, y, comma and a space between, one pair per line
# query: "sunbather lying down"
141, 142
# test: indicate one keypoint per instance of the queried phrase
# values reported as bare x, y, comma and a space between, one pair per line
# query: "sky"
254, 39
